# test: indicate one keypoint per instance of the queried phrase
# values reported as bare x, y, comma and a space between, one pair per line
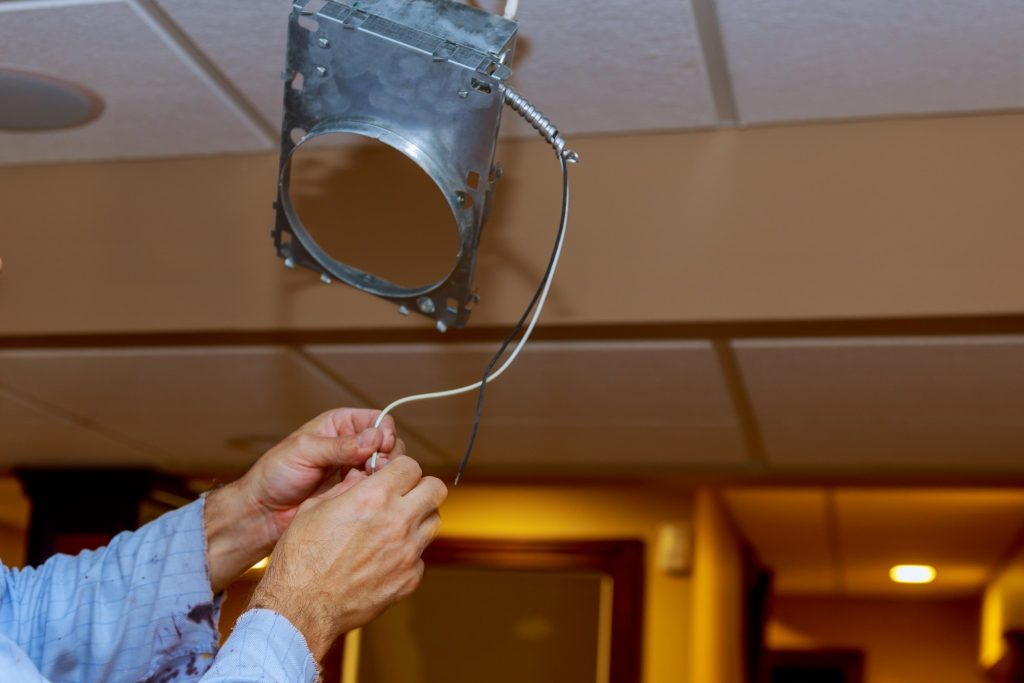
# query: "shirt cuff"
266, 645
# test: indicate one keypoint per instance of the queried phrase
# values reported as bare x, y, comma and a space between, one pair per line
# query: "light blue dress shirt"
140, 610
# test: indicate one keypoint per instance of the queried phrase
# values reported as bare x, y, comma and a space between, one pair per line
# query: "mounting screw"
323, 42
403, 309
321, 70
463, 94
425, 304
441, 327
326, 279
460, 197
289, 262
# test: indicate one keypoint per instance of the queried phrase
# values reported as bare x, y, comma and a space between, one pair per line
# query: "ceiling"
856, 407
843, 541
181, 78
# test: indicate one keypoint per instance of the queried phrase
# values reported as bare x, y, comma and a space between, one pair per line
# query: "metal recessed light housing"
33, 102
422, 76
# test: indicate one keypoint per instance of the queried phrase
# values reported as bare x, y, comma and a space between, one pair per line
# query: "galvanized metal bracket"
422, 76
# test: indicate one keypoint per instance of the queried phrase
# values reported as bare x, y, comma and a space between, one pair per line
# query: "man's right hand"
352, 551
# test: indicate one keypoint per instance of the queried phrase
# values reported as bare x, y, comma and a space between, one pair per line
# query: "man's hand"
246, 518
352, 551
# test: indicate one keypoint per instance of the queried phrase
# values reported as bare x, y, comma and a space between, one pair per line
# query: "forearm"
237, 534
143, 601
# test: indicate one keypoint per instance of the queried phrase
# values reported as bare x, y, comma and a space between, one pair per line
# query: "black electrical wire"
548, 273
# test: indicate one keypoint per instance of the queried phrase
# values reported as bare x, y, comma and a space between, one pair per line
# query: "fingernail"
368, 437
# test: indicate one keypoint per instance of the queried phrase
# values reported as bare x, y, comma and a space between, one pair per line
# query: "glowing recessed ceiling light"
36, 102
912, 573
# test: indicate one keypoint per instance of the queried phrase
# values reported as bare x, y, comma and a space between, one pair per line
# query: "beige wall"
588, 513
908, 641
717, 595
882, 218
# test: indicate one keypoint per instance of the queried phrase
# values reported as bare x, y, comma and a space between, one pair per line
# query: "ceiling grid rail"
709, 30
205, 68
740, 398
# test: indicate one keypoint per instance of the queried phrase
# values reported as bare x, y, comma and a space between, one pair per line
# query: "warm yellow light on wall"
262, 564
912, 573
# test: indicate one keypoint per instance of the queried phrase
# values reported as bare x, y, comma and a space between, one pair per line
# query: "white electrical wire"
515, 352
511, 7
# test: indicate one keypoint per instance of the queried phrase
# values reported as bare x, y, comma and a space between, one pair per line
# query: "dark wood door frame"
622, 560
849, 661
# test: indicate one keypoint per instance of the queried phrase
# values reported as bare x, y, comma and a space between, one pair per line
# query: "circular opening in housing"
371, 207
36, 102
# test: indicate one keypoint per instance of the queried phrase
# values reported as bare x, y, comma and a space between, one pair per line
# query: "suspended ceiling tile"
600, 67
790, 530
962, 533
31, 436
922, 403
204, 409
246, 39
156, 102
814, 59
561, 404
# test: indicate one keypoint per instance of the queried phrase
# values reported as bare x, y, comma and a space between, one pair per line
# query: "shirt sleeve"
140, 606
264, 646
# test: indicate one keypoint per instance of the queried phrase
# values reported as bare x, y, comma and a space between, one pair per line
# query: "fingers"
400, 476
347, 421
426, 497
333, 452
427, 530
397, 449
353, 477
355, 420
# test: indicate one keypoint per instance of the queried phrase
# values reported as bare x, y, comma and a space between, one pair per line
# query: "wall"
1002, 609
591, 513
12, 546
840, 220
907, 641
717, 595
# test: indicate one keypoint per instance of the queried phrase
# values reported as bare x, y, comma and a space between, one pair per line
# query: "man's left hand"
246, 518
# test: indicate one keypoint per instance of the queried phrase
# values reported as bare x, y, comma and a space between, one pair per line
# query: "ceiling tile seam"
835, 546
739, 397
206, 69
85, 423
716, 62
313, 364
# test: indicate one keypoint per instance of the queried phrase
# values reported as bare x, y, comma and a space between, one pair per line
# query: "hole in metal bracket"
480, 85
473, 179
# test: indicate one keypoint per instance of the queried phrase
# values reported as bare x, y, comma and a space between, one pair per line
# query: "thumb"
329, 452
